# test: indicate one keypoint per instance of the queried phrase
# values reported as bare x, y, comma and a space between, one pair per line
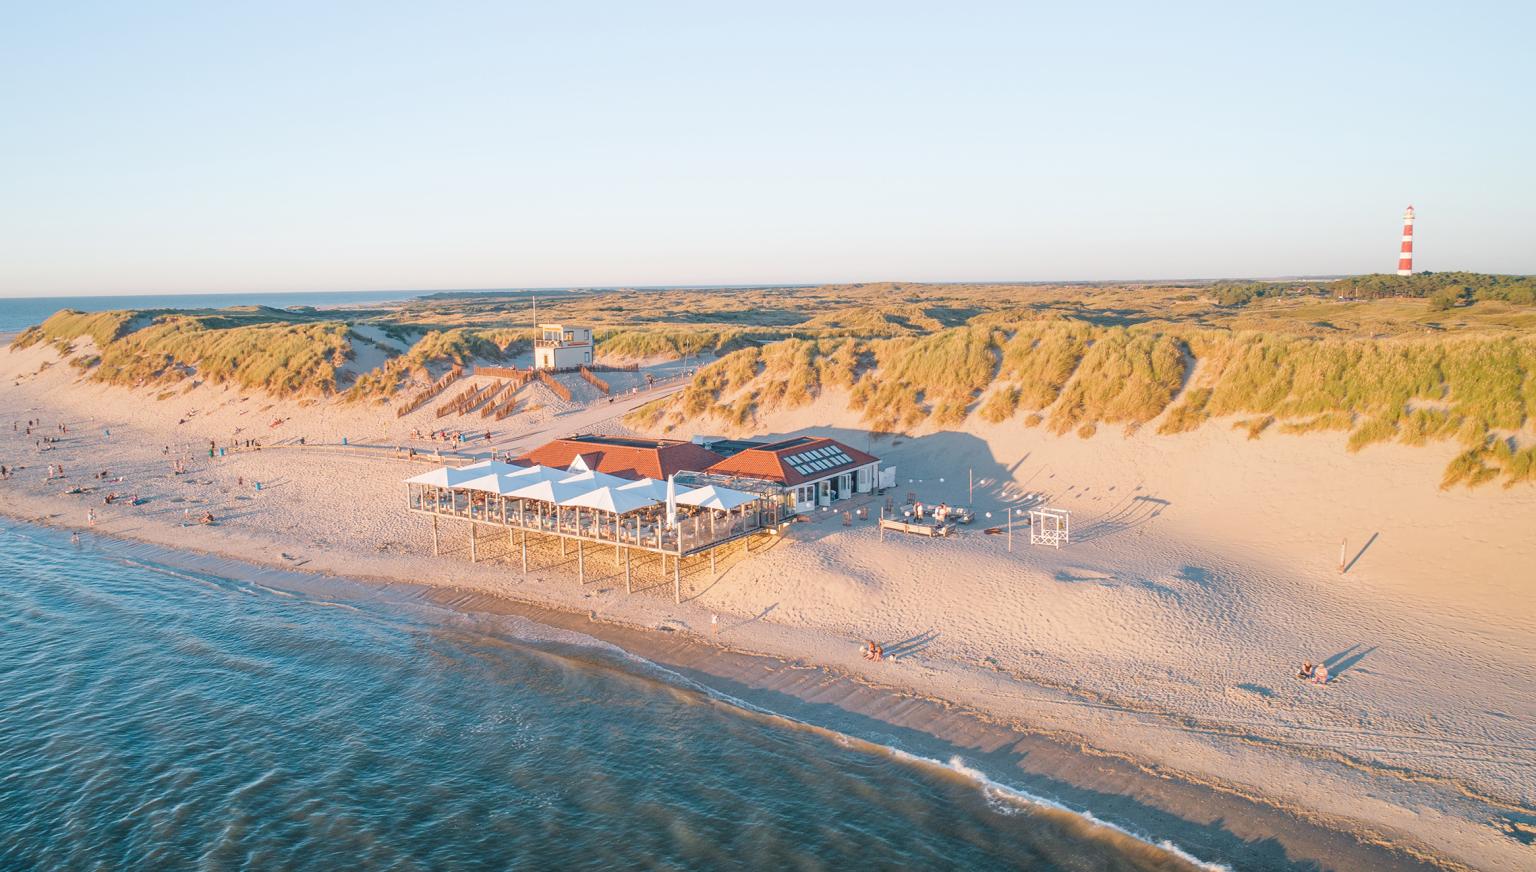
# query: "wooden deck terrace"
699, 532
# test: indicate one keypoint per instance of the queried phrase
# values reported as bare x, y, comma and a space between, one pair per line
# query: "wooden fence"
503, 372
595, 382
426, 396
470, 399
559, 389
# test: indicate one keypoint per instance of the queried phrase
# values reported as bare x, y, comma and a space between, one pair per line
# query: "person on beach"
714, 625
1320, 675
1307, 670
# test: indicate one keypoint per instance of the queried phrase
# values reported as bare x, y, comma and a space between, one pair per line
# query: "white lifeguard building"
562, 347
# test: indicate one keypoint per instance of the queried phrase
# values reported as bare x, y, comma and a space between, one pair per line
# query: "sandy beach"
1144, 672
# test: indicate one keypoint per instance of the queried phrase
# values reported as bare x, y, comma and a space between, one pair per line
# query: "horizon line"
708, 286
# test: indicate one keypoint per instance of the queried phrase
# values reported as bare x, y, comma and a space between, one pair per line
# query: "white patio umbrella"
671, 501
715, 497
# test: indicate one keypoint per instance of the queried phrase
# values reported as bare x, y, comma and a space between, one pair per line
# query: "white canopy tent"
656, 490
713, 496
523, 475
490, 483
445, 476
592, 479
555, 492
617, 501
493, 467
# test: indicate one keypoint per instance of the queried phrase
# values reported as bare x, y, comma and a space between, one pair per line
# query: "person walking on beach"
714, 625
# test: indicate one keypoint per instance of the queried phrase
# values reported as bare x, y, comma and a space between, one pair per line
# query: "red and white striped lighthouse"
1405, 258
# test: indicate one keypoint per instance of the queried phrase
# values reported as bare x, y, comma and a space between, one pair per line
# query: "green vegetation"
1417, 360
1074, 376
673, 344
1440, 286
67, 325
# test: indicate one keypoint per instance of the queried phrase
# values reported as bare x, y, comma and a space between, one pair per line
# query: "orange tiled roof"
624, 456
771, 462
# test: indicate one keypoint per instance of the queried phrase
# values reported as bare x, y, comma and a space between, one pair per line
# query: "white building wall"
563, 357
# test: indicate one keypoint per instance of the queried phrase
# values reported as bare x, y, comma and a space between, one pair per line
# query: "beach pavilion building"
808, 471
678, 501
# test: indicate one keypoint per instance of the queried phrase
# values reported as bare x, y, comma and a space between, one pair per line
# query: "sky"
162, 147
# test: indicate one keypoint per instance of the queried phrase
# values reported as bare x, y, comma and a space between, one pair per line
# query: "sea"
19, 313
153, 717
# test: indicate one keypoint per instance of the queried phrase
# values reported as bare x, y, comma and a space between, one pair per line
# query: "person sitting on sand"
1306, 671
1320, 676
206, 519
868, 649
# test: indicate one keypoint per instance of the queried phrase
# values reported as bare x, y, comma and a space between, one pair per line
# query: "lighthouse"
1405, 257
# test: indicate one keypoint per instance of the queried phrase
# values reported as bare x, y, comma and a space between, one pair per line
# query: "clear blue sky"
168, 147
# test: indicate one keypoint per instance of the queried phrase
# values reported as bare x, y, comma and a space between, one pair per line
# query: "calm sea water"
17, 314
153, 718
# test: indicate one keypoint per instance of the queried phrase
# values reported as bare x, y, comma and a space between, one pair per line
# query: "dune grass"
1076, 377
67, 325
1369, 357
281, 359
669, 344
443, 349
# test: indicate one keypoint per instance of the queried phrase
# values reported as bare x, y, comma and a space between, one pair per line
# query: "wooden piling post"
523, 539
581, 563
434, 535
628, 587
472, 555
677, 578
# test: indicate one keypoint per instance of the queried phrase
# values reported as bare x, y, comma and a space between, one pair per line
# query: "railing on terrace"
694, 533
